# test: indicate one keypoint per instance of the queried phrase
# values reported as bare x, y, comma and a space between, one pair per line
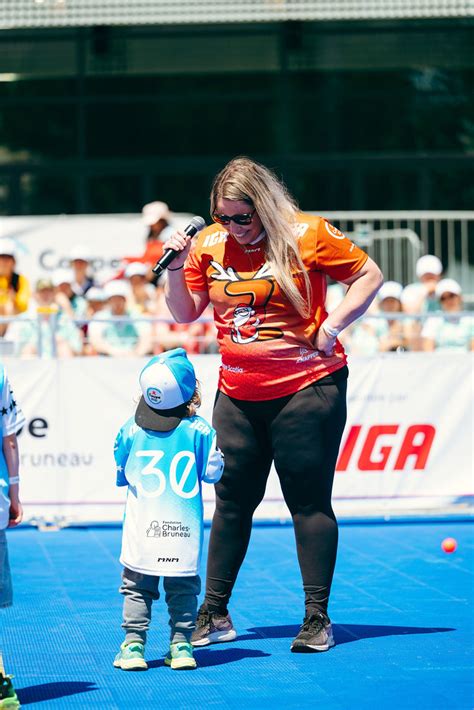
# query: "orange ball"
449, 544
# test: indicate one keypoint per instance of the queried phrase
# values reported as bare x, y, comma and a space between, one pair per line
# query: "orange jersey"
266, 346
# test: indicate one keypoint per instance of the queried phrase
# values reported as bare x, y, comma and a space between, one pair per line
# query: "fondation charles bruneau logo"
168, 528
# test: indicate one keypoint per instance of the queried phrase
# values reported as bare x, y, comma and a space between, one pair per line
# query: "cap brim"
159, 420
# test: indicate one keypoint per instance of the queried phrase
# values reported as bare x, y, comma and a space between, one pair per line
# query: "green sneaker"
8, 697
180, 657
131, 657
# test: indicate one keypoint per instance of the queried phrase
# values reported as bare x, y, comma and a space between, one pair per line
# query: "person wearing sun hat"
376, 334
450, 330
156, 216
80, 262
46, 330
141, 299
69, 301
391, 331
115, 331
15, 290
421, 293
163, 453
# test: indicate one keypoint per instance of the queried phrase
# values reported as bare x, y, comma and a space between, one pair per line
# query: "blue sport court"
401, 609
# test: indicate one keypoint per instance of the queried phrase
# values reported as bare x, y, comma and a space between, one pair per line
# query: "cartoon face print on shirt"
246, 324
250, 294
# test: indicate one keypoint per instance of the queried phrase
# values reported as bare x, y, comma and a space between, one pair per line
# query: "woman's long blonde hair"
245, 179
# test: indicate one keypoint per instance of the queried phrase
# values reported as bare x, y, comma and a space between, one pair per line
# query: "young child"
162, 455
11, 511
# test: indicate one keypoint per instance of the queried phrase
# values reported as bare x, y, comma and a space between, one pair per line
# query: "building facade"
357, 105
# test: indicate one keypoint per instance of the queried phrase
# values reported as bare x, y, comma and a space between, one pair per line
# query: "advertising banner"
44, 244
407, 445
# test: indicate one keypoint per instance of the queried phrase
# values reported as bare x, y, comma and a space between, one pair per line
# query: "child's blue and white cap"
168, 382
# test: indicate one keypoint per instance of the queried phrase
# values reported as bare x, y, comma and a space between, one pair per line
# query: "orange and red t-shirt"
266, 346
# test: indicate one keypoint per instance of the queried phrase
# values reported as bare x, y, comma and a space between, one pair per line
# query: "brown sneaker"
212, 628
314, 635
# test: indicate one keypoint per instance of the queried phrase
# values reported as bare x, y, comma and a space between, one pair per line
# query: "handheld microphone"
195, 225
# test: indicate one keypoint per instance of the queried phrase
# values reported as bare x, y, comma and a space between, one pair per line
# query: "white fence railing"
42, 336
396, 239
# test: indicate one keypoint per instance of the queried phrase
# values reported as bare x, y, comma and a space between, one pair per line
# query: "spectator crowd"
422, 316
75, 311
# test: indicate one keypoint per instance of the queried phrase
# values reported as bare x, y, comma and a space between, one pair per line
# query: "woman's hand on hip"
324, 343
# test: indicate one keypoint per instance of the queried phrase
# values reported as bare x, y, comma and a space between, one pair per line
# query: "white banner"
407, 445
408, 439
44, 243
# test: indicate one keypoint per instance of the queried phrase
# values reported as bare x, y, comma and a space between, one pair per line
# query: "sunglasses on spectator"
448, 296
244, 218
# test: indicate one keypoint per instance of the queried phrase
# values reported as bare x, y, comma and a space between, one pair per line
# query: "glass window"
114, 193
46, 194
177, 127
389, 111
44, 130
187, 191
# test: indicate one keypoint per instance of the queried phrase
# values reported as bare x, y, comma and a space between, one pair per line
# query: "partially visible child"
11, 511
163, 453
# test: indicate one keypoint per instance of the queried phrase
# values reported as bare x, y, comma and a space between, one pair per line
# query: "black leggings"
301, 433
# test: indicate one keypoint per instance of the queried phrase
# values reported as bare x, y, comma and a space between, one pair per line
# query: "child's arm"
121, 452
215, 464
12, 459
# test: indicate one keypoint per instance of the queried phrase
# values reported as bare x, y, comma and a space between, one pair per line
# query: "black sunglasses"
244, 218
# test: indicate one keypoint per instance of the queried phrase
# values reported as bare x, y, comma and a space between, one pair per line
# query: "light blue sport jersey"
12, 421
163, 521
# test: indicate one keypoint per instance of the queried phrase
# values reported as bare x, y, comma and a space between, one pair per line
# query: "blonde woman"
281, 397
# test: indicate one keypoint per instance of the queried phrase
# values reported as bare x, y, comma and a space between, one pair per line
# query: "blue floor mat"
400, 606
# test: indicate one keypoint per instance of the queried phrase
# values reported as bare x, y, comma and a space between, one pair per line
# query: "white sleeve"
12, 417
215, 464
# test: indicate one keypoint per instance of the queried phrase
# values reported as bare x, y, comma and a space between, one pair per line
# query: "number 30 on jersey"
152, 482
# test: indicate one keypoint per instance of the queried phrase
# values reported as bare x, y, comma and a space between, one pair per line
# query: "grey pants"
6, 590
140, 590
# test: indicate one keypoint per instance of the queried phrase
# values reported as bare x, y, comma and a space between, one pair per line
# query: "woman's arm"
184, 305
363, 287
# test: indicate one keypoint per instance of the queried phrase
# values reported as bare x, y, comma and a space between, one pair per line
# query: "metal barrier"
394, 250
45, 333
396, 239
